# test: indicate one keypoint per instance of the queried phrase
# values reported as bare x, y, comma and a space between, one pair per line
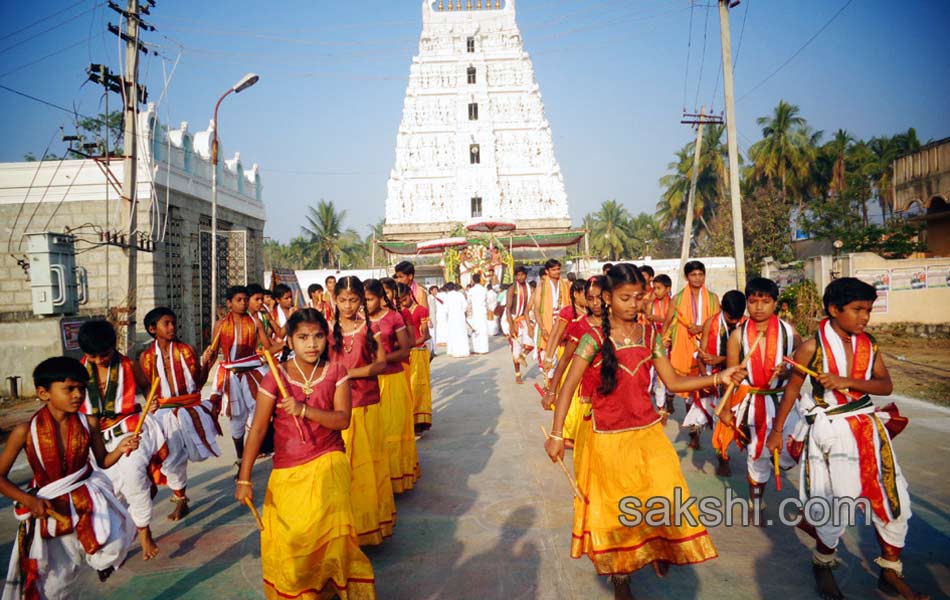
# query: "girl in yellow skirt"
417, 320
356, 345
395, 397
627, 462
309, 547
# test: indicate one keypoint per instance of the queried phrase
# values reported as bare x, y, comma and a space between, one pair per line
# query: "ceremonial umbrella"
490, 226
437, 246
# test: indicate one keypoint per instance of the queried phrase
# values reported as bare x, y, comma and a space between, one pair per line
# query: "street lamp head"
838, 244
246, 82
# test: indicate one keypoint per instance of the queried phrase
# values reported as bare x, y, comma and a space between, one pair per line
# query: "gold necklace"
628, 338
307, 381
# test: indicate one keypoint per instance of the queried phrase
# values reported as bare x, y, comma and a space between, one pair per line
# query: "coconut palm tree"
325, 231
837, 151
711, 183
781, 157
609, 231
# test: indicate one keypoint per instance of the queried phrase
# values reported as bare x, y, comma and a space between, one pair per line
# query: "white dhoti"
59, 559
521, 342
848, 454
130, 475
758, 411
234, 387
190, 433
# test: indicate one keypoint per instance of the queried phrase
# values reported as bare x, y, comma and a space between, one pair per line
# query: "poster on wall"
289, 278
938, 276
881, 280
908, 278
69, 328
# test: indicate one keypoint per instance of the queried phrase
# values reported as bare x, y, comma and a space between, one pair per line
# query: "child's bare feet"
661, 568
105, 573
181, 508
825, 583
149, 547
892, 583
621, 587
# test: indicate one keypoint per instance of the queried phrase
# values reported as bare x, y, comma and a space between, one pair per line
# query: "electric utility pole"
731, 133
699, 121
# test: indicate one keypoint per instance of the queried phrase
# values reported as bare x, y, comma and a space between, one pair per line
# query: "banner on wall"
908, 278
881, 280
938, 276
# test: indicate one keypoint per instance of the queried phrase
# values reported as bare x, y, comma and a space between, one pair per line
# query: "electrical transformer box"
53, 277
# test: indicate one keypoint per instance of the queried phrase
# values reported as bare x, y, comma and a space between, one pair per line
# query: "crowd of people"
336, 393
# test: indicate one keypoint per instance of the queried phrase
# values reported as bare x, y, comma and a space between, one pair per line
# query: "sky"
615, 78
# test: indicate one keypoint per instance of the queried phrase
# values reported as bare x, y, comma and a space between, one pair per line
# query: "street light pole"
246, 82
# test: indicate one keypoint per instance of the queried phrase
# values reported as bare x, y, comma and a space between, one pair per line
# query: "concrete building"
473, 141
82, 198
921, 182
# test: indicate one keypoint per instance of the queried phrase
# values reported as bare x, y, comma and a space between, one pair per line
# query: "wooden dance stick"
732, 386
283, 390
152, 393
60, 518
570, 478
778, 471
815, 374
257, 515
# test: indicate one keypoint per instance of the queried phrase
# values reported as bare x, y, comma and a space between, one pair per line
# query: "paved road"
491, 517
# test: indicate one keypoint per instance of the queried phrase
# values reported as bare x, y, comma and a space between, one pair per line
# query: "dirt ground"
919, 366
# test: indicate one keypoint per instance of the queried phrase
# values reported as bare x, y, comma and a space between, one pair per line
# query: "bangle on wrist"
556, 437
244, 482
303, 409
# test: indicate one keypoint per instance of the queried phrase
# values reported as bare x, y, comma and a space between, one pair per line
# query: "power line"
797, 52
689, 44
46, 18
702, 62
47, 30
42, 58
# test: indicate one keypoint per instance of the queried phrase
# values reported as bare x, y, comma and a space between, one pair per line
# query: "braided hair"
404, 291
618, 275
390, 287
353, 284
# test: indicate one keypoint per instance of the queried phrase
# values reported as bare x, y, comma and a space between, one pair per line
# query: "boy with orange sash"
690, 309
237, 377
715, 340
187, 422
71, 516
847, 442
552, 294
110, 397
519, 333
753, 406
284, 304
405, 272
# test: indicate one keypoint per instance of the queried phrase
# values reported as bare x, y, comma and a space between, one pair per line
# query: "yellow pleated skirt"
398, 432
639, 464
585, 427
419, 382
575, 414
309, 547
371, 490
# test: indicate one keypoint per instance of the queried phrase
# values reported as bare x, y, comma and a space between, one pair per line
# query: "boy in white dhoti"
189, 427
847, 442
73, 518
519, 333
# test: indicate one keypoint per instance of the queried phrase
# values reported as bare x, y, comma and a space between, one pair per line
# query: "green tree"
610, 237
782, 158
93, 127
325, 230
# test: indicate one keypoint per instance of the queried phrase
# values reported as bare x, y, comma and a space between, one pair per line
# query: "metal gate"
231, 249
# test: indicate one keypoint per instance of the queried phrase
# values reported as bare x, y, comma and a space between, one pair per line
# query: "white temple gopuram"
473, 141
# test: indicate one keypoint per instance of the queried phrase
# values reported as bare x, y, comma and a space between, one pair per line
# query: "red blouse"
289, 449
389, 326
629, 406
353, 355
